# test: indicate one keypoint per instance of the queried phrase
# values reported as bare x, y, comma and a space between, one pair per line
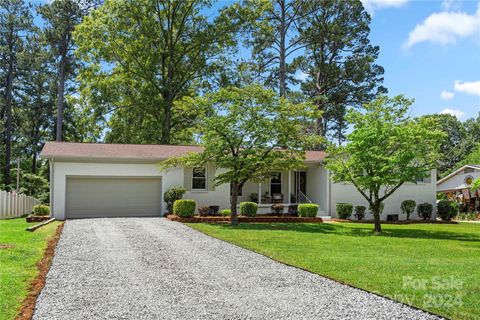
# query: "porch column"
289, 186
259, 193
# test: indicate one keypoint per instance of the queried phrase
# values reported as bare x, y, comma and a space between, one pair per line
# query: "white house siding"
421, 192
60, 171
318, 187
457, 180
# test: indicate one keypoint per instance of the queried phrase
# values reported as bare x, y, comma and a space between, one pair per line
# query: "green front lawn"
20, 252
431, 266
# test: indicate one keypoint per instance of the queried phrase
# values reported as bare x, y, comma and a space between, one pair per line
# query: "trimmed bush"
307, 210
248, 209
344, 210
277, 208
41, 210
225, 212
172, 195
425, 210
408, 207
203, 210
184, 208
447, 209
360, 212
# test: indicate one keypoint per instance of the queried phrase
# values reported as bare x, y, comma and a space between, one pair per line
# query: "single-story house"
457, 185
118, 180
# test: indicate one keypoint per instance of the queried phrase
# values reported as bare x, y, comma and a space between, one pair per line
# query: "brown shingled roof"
73, 150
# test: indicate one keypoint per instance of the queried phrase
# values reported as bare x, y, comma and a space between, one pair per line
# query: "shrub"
41, 210
307, 210
447, 209
172, 195
226, 212
425, 210
248, 209
344, 210
360, 212
277, 208
213, 210
408, 207
203, 210
184, 208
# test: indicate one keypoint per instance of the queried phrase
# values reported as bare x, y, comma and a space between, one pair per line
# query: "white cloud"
456, 113
300, 75
445, 28
467, 87
447, 95
372, 5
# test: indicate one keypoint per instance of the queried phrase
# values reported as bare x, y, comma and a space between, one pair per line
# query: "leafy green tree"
144, 55
339, 60
385, 149
15, 22
248, 132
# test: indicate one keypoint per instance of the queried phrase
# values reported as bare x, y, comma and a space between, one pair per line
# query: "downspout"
52, 209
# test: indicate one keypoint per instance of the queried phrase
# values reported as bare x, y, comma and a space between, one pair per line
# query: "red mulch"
397, 222
36, 286
242, 219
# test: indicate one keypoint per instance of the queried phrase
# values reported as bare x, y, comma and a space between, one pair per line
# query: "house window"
199, 178
276, 184
240, 191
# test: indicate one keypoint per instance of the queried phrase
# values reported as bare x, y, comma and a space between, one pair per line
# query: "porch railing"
302, 198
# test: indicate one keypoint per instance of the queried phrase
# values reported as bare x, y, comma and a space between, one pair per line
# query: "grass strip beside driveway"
20, 252
430, 266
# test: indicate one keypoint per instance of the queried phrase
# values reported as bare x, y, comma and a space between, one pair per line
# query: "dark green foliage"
171, 195
307, 210
447, 209
248, 209
213, 210
425, 210
41, 210
408, 207
184, 208
344, 210
203, 210
360, 212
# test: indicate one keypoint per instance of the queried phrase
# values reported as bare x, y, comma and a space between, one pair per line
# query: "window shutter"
210, 177
187, 178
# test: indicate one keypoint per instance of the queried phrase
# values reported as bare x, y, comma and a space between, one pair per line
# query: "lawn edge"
321, 275
36, 285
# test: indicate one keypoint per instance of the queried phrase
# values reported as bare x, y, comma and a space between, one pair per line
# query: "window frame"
199, 178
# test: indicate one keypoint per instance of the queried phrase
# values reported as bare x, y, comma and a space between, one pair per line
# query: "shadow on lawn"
347, 230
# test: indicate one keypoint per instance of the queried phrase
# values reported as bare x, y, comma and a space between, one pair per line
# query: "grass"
18, 261
431, 266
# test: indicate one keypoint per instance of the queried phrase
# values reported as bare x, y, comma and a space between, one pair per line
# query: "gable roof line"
473, 166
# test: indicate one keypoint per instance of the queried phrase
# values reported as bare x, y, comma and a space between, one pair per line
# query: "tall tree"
339, 60
15, 22
385, 150
61, 17
250, 132
144, 55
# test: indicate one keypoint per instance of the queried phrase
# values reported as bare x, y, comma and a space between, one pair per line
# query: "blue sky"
429, 47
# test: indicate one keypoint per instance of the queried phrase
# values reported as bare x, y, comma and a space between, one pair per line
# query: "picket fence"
15, 205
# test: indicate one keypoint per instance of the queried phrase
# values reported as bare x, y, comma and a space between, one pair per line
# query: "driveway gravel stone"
152, 268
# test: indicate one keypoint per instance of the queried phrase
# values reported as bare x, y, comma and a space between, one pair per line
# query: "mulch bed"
37, 218
36, 286
242, 219
396, 222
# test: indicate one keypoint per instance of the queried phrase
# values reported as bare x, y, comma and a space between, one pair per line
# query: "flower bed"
395, 222
243, 219
32, 218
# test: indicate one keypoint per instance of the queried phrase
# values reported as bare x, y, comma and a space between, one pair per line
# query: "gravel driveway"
152, 268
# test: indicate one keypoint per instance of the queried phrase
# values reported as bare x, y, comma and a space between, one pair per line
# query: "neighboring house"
107, 180
456, 186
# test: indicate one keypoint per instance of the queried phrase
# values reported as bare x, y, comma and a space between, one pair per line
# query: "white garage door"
88, 197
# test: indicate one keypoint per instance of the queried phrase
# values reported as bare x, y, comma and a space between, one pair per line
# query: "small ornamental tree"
385, 149
250, 133
408, 207
475, 185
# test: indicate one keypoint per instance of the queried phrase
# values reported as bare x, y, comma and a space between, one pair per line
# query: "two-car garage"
107, 196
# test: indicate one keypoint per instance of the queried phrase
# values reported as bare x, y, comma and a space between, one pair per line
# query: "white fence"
15, 205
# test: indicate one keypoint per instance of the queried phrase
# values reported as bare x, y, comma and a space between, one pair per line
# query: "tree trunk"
282, 32
8, 115
233, 204
376, 218
167, 120
60, 96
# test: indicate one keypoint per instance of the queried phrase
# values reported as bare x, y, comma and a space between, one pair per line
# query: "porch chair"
277, 198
